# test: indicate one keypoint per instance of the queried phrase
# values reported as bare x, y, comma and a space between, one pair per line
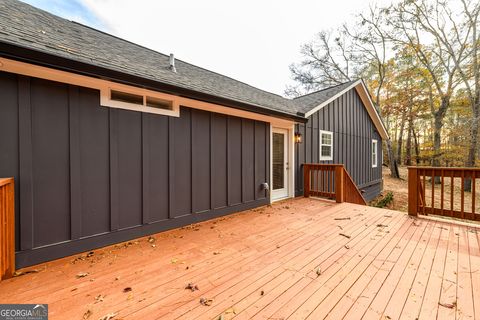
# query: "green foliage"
385, 201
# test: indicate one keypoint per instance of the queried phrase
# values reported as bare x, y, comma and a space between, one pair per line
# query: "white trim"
320, 144
291, 160
362, 91
374, 153
36, 71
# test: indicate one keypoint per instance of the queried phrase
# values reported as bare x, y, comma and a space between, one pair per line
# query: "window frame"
106, 101
325, 158
374, 153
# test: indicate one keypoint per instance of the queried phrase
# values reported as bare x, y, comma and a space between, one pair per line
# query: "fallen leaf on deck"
387, 216
127, 289
130, 296
231, 310
117, 278
448, 305
74, 289
108, 316
216, 253
262, 293
99, 298
87, 314
319, 272
346, 218
90, 254
82, 275
151, 239
381, 225
21, 273
345, 235
206, 302
347, 246
174, 260
192, 287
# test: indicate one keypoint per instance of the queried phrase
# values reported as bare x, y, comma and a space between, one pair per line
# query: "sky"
253, 41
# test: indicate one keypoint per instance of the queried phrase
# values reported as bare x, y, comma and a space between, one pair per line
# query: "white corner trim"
367, 101
31, 70
320, 144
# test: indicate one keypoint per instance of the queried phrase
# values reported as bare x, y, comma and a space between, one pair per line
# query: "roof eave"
38, 57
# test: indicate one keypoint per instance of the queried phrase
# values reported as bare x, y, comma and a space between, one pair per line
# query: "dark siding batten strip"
26, 163
171, 168
75, 168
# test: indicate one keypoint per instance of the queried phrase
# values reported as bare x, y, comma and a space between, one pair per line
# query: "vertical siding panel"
51, 162
260, 163
248, 160
94, 160
220, 161
114, 196
146, 142
9, 138
182, 173
75, 174
25, 163
234, 160
200, 160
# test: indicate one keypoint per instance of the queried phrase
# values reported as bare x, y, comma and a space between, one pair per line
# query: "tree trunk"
417, 149
400, 140
408, 152
472, 150
392, 161
437, 131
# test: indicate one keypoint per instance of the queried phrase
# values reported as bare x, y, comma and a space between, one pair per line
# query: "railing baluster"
462, 195
424, 192
442, 188
452, 192
433, 190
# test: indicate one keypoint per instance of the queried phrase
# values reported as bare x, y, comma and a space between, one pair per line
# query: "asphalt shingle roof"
26, 26
309, 101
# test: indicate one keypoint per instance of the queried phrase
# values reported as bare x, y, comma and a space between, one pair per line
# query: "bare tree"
420, 25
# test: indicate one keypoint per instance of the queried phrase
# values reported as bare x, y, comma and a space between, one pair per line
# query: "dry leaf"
151, 239
21, 273
87, 314
346, 218
216, 253
448, 305
347, 246
345, 235
127, 289
99, 298
206, 302
108, 316
82, 275
231, 310
174, 260
319, 272
262, 293
192, 287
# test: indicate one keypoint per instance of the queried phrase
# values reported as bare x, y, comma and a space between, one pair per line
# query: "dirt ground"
399, 189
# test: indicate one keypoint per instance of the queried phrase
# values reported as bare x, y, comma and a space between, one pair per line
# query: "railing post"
339, 184
7, 228
412, 191
306, 180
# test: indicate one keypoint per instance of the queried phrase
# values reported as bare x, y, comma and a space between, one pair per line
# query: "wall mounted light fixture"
298, 137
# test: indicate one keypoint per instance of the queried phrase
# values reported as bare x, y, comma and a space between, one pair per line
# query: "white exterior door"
280, 165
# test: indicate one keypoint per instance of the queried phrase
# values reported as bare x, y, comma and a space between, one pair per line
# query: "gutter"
37, 57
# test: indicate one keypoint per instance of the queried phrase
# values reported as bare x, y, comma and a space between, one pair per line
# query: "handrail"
425, 197
7, 228
321, 180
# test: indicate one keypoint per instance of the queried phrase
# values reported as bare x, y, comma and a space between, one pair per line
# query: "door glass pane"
278, 160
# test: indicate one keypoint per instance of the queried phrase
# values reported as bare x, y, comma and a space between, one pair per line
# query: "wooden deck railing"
446, 195
330, 181
7, 229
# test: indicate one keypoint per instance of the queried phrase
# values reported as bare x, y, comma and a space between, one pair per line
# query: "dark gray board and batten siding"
353, 132
89, 176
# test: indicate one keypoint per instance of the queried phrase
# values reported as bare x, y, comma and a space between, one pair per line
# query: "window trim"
106, 101
325, 158
374, 153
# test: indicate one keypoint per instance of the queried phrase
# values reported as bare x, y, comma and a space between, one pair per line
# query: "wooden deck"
299, 259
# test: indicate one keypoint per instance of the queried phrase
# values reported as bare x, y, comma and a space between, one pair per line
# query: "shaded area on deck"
298, 259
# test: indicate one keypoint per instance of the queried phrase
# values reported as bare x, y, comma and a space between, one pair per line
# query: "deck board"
263, 263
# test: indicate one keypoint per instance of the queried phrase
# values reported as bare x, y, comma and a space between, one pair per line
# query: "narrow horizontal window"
326, 145
126, 97
159, 103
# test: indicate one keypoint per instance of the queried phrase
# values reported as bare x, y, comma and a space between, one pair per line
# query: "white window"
138, 99
326, 145
374, 153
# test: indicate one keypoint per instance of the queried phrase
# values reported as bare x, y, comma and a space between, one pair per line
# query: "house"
109, 141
